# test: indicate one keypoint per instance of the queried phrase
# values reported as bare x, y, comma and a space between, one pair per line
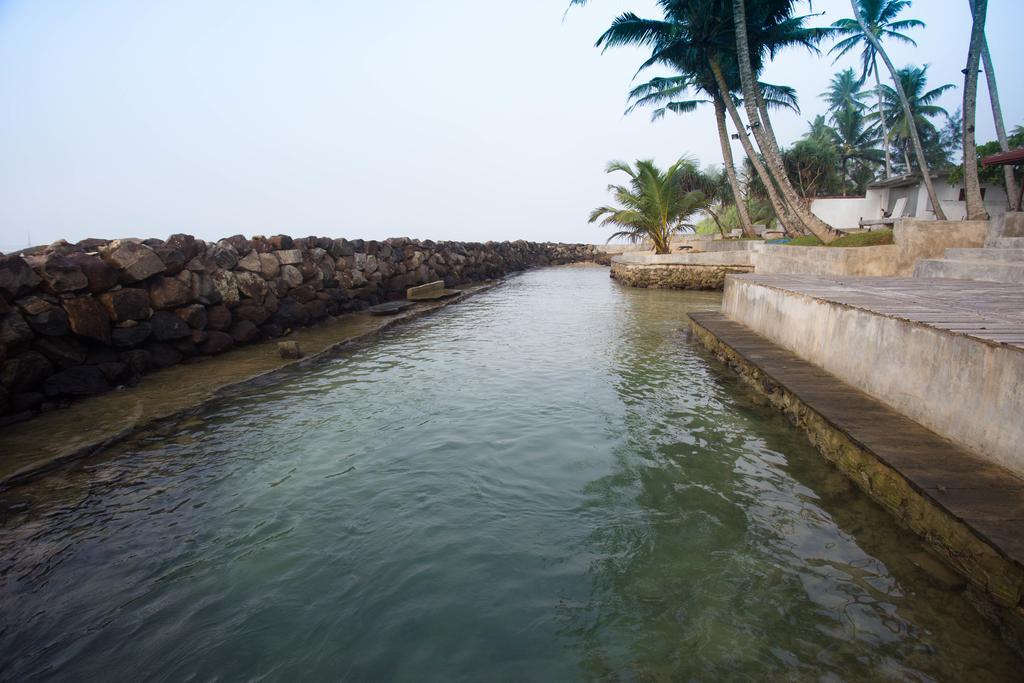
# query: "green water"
546, 482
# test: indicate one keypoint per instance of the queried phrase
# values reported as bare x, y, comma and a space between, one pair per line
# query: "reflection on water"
546, 482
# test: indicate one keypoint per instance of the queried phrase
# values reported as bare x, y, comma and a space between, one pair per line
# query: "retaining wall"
80, 319
680, 271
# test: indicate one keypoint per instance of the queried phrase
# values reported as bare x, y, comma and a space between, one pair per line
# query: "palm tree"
872, 34
843, 93
854, 141
655, 205
772, 17
997, 114
920, 103
880, 17
972, 187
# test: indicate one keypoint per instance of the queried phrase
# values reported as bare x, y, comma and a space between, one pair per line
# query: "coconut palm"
753, 42
997, 114
869, 15
691, 39
655, 205
913, 83
856, 142
881, 19
972, 186
844, 93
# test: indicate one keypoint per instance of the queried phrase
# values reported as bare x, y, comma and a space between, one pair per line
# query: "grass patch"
860, 239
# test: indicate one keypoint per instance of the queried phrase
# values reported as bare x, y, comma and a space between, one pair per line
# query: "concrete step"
990, 254
1007, 243
985, 271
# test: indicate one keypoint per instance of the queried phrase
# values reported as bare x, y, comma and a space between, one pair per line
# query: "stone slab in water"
391, 307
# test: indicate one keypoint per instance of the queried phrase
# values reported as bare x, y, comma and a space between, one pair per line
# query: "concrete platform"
969, 510
948, 354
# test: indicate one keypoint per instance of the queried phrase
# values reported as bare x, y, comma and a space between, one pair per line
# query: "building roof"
1013, 157
900, 181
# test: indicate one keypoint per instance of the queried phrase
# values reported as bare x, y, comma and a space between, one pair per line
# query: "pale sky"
455, 119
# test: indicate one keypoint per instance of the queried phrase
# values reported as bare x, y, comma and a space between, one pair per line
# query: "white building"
883, 196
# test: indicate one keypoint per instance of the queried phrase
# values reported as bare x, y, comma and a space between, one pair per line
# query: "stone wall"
680, 271
80, 319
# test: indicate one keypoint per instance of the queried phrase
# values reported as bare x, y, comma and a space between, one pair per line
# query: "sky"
454, 119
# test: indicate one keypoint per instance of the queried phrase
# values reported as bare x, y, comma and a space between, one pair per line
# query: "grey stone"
167, 326
135, 261
16, 277
14, 330
128, 303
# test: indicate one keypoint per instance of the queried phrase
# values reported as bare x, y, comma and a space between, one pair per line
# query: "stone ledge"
968, 510
675, 275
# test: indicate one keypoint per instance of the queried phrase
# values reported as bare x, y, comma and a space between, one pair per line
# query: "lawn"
859, 239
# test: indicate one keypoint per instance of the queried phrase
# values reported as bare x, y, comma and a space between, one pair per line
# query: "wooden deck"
989, 311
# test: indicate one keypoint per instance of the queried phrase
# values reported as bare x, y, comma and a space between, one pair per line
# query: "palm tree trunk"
1012, 191
786, 219
766, 141
972, 186
730, 172
926, 174
881, 119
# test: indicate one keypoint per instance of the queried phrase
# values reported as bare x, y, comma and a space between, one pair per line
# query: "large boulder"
244, 331
269, 266
254, 313
83, 380
163, 355
204, 289
195, 315
100, 274
250, 262
134, 261
216, 342
289, 257
25, 371
224, 255
138, 361
227, 286
291, 275
59, 274
169, 292
16, 277
14, 330
130, 336
128, 303
64, 352
186, 244
251, 285
218, 318
53, 322
88, 318
167, 326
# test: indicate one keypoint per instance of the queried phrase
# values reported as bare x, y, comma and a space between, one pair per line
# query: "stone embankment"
80, 319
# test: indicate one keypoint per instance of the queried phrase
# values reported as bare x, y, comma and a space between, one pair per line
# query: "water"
548, 481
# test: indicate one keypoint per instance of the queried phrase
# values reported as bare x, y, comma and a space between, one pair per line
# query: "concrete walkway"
969, 509
87, 426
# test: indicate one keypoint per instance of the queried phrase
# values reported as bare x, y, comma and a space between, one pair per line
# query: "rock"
5, 399
100, 274
128, 337
289, 257
135, 261
269, 266
138, 361
227, 286
291, 313
163, 355
358, 279
186, 244
251, 285
239, 243
25, 371
64, 352
52, 323
194, 315
271, 330
291, 275
303, 294
251, 262
224, 255
34, 305
113, 371
127, 303
88, 318
60, 274
289, 349
16, 277
83, 380
169, 292
14, 330
218, 318
204, 289
254, 313
244, 331
216, 342
317, 309
281, 242
173, 259
167, 326
341, 247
